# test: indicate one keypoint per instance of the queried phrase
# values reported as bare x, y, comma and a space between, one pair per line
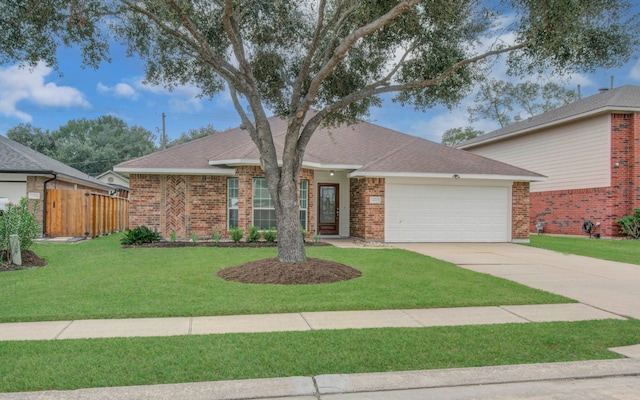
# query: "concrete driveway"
608, 285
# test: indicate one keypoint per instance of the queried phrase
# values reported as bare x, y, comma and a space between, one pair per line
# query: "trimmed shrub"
140, 235
253, 235
270, 235
236, 234
630, 225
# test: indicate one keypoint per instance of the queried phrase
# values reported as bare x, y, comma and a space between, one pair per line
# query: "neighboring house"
362, 181
590, 152
120, 183
26, 173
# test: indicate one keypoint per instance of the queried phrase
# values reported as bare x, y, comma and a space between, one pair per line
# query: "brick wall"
520, 211
565, 211
196, 204
366, 221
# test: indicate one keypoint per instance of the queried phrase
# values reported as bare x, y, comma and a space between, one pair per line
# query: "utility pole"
163, 139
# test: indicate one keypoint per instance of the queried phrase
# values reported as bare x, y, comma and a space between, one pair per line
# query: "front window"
232, 203
264, 211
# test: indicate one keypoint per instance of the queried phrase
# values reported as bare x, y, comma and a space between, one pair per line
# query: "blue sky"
47, 100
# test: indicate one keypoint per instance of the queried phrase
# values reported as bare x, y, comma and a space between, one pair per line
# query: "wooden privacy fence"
79, 213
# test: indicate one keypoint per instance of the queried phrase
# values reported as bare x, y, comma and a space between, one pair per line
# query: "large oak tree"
334, 56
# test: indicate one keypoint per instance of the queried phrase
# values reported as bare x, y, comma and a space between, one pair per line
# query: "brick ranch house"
590, 152
362, 181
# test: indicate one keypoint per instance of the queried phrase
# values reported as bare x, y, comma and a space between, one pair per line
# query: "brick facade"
564, 211
520, 211
366, 220
197, 204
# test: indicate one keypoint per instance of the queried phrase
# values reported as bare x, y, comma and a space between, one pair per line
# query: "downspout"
44, 208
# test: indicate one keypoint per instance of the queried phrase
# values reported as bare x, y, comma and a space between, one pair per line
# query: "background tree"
34, 138
91, 146
453, 136
193, 134
503, 102
335, 56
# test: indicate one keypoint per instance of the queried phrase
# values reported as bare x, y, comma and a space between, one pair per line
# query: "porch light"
332, 172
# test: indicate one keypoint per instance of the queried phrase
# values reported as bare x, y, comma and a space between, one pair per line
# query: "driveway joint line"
516, 314
411, 317
306, 322
190, 325
63, 330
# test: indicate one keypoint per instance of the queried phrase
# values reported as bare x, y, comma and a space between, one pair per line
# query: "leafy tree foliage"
193, 134
91, 146
454, 136
335, 56
503, 101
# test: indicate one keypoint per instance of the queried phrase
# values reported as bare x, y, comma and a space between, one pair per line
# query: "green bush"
216, 237
173, 236
630, 225
236, 234
270, 235
253, 235
18, 220
140, 235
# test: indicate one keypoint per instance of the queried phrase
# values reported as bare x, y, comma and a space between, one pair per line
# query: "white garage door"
428, 213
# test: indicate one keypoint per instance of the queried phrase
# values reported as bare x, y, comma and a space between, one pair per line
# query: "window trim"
231, 207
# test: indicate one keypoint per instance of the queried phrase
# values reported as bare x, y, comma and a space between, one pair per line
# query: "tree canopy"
334, 56
91, 146
504, 102
453, 136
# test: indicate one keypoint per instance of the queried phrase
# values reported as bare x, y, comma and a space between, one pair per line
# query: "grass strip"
72, 364
98, 279
625, 250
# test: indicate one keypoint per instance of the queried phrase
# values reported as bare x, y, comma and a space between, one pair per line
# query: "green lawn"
71, 364
99, 279
627, 251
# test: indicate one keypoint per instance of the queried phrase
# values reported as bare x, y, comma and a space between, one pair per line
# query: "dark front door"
328, 208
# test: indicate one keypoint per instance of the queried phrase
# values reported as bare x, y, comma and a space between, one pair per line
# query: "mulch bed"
29, 260
164, 243
272, 271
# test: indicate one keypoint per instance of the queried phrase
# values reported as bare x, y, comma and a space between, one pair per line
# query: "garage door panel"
428, 213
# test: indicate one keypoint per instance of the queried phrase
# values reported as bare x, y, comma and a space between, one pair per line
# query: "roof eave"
176, 171
518, 178
305, 164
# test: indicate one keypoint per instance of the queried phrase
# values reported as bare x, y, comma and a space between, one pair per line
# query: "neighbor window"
232, 203
264, 211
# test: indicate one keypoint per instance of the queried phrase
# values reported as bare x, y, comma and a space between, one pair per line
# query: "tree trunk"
290, 241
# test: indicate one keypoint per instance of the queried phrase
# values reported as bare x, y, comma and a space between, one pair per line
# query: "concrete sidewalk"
306, 321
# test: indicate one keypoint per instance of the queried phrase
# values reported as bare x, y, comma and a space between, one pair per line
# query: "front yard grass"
625, 250
99, 279
72, 364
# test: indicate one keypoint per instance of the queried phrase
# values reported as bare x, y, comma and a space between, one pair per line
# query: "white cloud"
183, 99
24, 84
635, 72
121, 90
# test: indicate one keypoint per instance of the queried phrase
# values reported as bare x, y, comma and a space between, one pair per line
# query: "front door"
328, 209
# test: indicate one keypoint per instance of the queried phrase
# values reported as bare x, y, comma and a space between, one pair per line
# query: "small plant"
216, 237
194, 237
172, 237
317, 237
140, 235
630, 225
270, 235
253, 235
17, 219
236, 234
304, 233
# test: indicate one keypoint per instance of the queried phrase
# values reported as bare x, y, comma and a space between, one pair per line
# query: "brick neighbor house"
590, 152
362, 181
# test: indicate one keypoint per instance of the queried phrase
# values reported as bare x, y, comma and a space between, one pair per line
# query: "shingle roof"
17, 158
625, 98
364, 148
